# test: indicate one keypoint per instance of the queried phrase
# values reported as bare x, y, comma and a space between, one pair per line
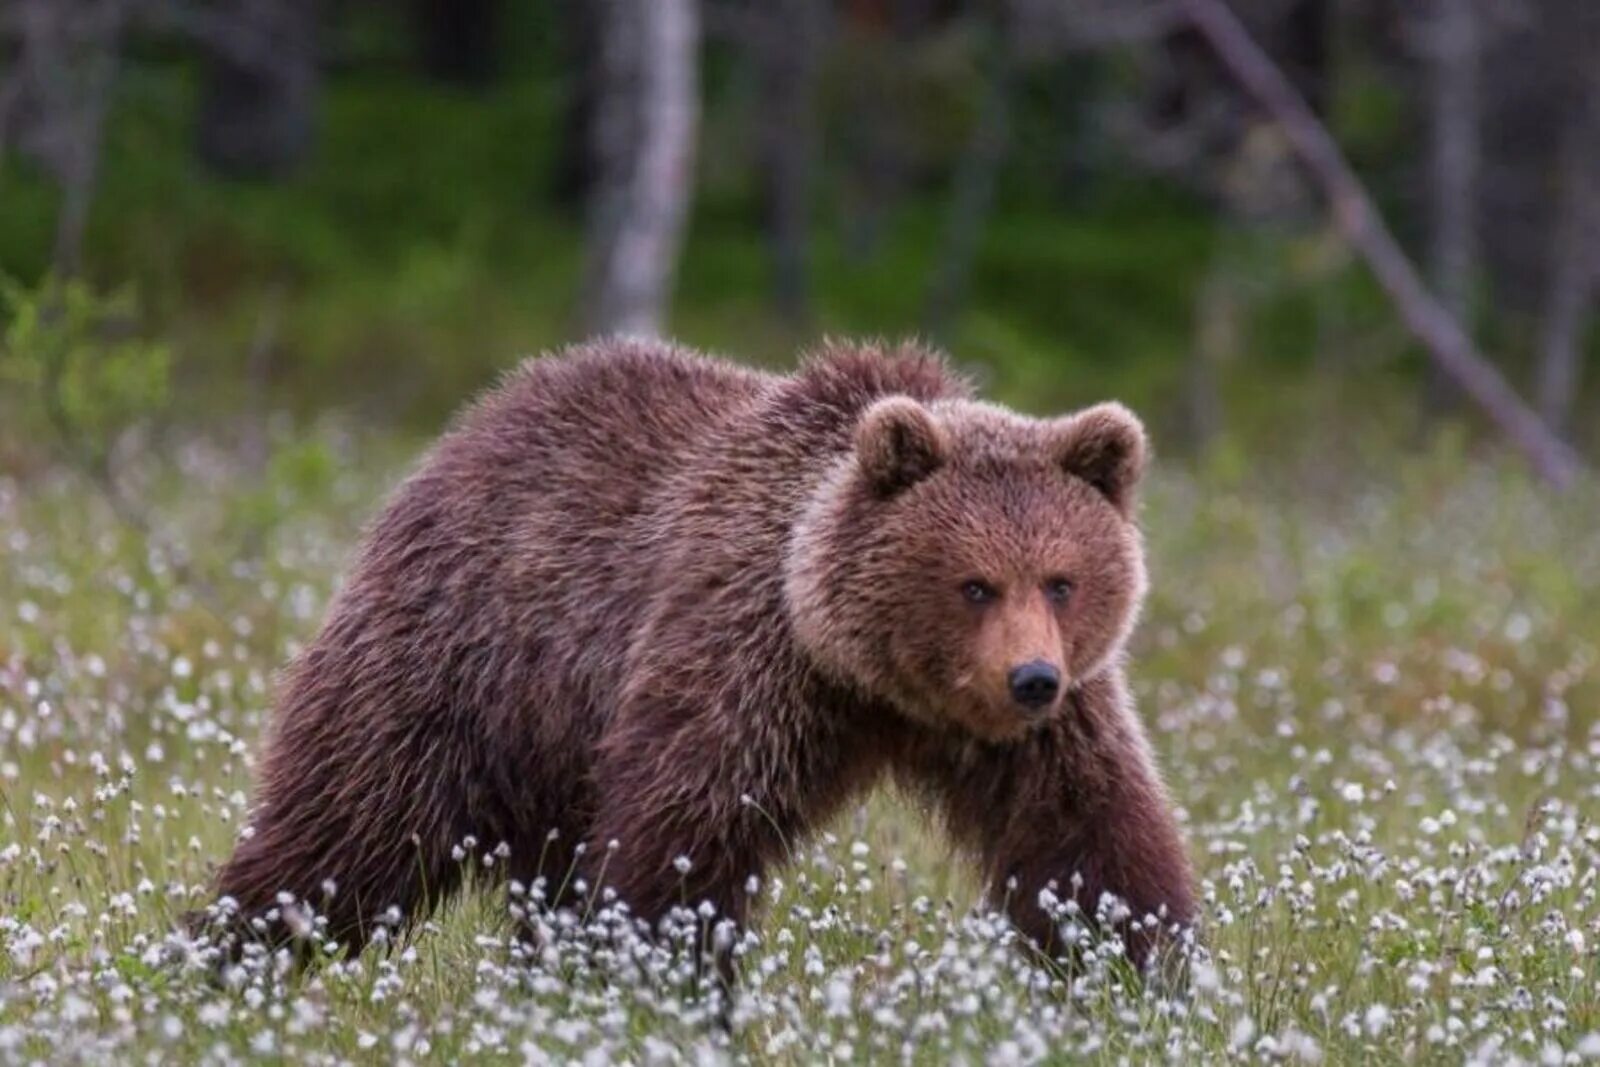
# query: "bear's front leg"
1079, 809
701, 788
679, 819
669, 837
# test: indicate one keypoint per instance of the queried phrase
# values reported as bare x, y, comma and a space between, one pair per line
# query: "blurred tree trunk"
576, 166
977, 174
645, 123
1573, 272
873, 54
787, 43
456, 39
261, 82
54, 102
1455, 152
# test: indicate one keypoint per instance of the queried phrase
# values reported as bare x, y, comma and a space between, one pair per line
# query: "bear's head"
968, 565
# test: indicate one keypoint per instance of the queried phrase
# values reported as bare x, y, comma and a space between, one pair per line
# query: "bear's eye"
1059, 590
978, 592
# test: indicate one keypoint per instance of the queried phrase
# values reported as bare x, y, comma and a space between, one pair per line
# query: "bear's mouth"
1002, 721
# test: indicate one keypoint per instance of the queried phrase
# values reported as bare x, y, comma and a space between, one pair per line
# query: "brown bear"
681, 612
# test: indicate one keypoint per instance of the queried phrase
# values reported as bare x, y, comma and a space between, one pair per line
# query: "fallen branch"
1451, 349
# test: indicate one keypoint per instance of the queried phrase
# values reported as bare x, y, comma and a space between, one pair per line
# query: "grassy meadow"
1375, 699
1370, 662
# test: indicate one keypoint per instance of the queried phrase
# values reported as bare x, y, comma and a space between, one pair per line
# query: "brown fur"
634, 587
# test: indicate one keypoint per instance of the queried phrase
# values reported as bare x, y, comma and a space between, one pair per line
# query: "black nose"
1035, 685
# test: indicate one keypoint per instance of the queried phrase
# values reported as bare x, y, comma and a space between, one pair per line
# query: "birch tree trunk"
1576, 263
645, 123
54, 101
1452, 36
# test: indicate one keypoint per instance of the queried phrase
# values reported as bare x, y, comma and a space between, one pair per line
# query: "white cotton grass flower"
1387, 789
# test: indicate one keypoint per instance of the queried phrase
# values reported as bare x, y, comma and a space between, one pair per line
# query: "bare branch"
1358, 220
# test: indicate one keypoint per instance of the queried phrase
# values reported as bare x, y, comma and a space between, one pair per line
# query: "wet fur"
634, 585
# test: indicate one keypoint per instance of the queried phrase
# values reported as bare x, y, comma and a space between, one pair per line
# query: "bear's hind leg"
364, 840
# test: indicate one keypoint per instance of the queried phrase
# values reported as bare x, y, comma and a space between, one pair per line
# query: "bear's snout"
1035, 684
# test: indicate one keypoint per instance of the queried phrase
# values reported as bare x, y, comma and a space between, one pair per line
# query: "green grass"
1375, 697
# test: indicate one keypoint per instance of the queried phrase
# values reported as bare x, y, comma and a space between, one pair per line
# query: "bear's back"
608, 420
528, 530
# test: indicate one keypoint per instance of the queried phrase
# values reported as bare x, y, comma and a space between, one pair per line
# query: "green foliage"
420, 252
421, 249
298, 471
80, 356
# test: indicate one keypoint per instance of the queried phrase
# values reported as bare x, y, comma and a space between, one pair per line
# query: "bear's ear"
898, 443
1105, 446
